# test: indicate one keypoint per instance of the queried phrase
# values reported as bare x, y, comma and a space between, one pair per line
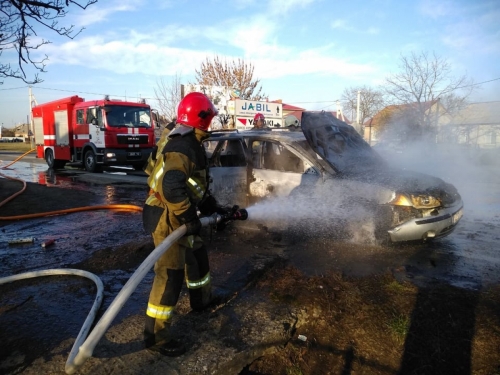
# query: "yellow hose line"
16, 179
15, 194
20, 157
122, 207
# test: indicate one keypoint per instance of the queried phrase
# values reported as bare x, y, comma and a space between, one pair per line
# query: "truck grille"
128, 139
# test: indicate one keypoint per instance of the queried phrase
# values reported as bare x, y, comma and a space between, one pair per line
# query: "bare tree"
168, 95
236, 75
425, 89
19, 21
371, 102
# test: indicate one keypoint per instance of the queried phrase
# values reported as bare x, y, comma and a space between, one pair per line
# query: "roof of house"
395, 109
288, 107
487, 113
22, 129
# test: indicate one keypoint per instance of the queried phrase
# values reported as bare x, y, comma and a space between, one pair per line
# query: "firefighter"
259, 122
158, 148
178, 183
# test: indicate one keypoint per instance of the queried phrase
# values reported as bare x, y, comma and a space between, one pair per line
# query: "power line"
461, 87
480, 83
94, 93
291, 103
15, 88
77, 92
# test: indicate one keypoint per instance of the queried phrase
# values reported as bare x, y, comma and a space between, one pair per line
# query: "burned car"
330, 164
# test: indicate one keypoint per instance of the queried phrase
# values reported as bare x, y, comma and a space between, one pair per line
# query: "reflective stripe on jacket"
179, 177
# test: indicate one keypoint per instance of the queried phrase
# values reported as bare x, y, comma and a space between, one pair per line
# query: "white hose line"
87, 348
68, 271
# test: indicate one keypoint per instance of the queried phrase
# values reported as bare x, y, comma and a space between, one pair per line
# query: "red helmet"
196, 110
259, 116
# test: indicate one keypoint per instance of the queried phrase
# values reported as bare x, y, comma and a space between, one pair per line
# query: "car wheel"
90, 162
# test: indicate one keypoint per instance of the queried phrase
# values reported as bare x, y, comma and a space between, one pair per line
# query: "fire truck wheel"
51, 162
90, 162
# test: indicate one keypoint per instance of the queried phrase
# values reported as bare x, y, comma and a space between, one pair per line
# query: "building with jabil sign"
249, 108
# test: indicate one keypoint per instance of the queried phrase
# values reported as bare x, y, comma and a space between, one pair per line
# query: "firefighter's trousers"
187, 258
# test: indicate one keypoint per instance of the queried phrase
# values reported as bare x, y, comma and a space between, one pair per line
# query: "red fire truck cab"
94, 133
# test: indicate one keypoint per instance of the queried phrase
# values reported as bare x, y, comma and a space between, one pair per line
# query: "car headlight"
417, 201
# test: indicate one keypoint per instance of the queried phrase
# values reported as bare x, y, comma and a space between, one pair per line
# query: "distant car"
329, 163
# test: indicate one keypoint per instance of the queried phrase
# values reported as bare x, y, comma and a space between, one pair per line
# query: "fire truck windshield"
132, 117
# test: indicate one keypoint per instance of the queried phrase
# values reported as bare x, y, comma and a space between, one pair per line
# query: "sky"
304, 52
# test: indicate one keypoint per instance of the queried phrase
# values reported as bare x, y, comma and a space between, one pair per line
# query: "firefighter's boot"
161, 341
170, 348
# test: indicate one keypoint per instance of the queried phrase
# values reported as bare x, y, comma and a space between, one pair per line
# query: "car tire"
90, 162
52, 162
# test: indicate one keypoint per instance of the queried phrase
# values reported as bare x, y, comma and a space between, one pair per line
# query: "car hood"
352, 158
408, 182
338, 143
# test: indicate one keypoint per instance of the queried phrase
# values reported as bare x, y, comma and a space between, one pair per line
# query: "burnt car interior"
274, 156
231, 154
265, 155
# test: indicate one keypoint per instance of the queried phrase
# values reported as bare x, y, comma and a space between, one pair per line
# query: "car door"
277, 170
228, 171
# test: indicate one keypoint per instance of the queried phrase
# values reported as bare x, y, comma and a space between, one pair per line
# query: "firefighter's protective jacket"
158, 149
179, 179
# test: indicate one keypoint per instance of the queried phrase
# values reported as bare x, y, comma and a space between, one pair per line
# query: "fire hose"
124, 207
77, 359
84, 345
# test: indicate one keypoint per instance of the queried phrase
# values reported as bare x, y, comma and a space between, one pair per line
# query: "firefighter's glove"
208, 206
224, 212
221, 225
191, 220
193, 227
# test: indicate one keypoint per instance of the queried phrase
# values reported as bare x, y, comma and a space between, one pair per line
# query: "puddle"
76, 235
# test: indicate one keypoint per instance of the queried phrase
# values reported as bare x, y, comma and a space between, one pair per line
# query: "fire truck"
94, 133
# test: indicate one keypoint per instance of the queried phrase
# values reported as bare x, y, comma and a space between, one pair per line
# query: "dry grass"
15, 146
377, 325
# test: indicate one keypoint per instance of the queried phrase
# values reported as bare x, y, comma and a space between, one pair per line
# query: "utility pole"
436, 121
340, 114
357, 116
31, 124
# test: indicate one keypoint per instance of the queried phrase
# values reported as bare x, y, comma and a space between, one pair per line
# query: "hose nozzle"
235, 213
241, 214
